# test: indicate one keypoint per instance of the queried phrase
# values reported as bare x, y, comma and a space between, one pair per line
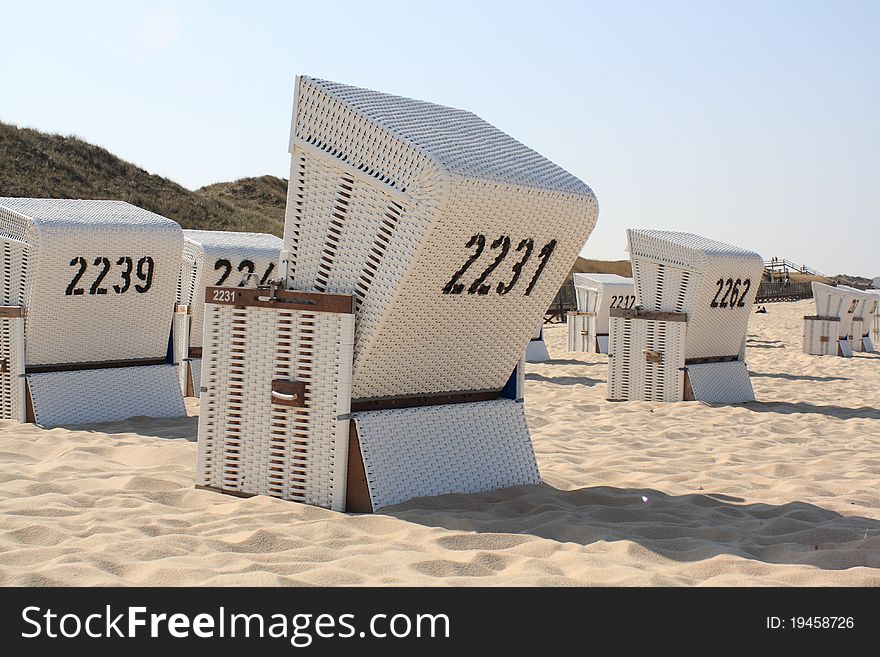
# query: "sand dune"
782, 491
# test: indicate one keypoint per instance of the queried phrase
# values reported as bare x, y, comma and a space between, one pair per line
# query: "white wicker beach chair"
828, 333
596, 295
88, 287
215, 258
873, 315
452, 238
536, 350
860, 332
685, 339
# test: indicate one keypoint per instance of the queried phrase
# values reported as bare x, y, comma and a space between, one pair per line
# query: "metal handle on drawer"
289, 393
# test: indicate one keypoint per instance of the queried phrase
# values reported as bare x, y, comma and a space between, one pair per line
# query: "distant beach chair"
828, 333
446, 240
597, 294
685, 339
215, 258
873, 315
88, 289
536, 351
860, 332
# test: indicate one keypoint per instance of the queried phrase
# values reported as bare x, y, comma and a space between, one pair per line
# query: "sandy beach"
782, 491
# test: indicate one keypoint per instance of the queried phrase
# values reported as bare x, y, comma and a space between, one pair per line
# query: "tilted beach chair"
685, 339
597, 295
828, 332
88, 294
536, 351
215, 258
421, 248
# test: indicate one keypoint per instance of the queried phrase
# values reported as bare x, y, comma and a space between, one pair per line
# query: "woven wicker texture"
460, 448
97, 279
180, 328
858, 333
14, 263
250, 442
195, 365
87, 396
12, 399
681, 272
388, 199
632, 375
861, 320
598, 293
820, 336
874, 318
721, 383
213, 258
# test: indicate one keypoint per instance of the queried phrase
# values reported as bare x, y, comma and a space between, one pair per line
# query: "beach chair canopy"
213, 258
714, 283
838, 302
97, 279
453, 236
598, 293
91, 287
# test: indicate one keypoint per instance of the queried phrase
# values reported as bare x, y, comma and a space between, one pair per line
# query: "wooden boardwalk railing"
783, 291
565, 300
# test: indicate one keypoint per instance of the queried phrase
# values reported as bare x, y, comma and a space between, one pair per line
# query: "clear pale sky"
754, 123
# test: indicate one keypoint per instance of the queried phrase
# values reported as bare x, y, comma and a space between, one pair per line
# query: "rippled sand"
782, 491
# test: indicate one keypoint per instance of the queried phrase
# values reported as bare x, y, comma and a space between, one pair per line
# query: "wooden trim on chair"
100, 365
711, 359
226, 491
357, 490
636, 313
688, 388
10, 311
190, 386
283, 299
29, 414
410, 401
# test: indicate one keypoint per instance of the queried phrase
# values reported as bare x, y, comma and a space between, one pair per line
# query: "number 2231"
502, 245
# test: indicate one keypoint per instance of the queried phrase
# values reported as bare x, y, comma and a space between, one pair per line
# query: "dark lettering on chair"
104, 265
481, 286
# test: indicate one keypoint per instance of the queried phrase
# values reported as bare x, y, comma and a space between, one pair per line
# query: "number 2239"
143, 274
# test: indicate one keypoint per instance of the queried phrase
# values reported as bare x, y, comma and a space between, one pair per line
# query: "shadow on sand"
839, 412
564, 380
171, 428
571, 361
797, 377
685, 528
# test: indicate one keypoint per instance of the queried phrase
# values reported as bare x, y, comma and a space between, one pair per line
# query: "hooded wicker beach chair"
873, 317
421, 248
829, 331
860, 332
215, 258
685, 339
88, 294
597, 295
